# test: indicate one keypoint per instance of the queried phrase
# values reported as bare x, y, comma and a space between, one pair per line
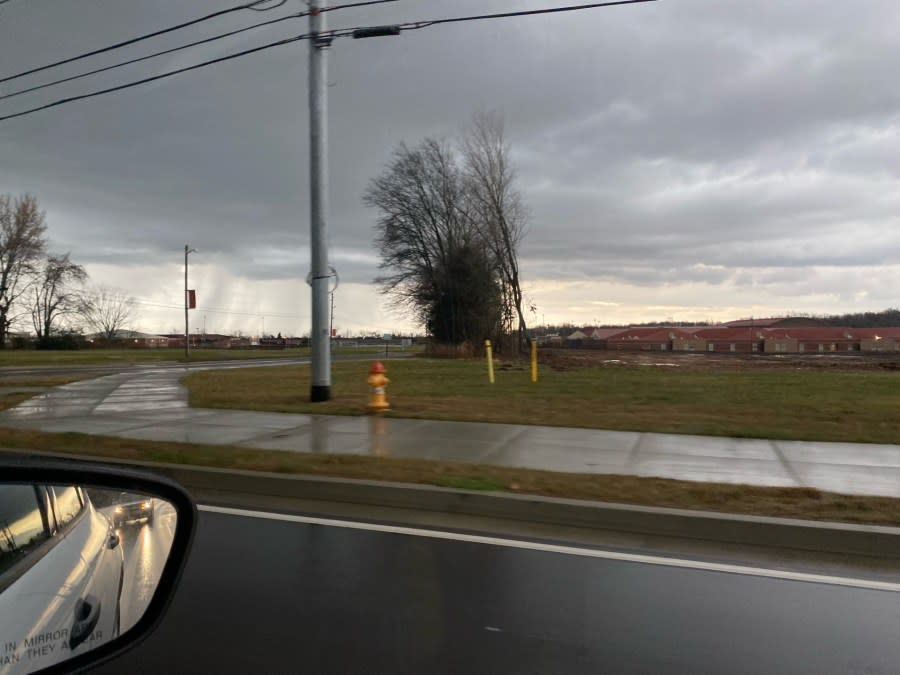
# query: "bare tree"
496, 205
448, 234
422, 234
22, 242
55, 293
107, 310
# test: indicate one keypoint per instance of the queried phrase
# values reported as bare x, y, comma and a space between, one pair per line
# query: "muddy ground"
569, 359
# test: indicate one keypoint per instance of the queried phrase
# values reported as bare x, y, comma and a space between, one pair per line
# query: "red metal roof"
740, 331
602, 333
880, 332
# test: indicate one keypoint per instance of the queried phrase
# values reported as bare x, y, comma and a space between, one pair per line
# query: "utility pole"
320, 338
187, 251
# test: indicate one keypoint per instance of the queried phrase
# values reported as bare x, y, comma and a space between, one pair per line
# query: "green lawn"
781, 404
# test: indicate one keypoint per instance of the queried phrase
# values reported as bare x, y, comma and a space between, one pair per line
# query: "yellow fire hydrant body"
378, 381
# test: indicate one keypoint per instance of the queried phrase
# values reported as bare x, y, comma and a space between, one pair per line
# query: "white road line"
869, 584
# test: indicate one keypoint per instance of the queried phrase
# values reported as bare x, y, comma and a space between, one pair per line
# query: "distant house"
650, 338
814, 340
599, 337
592, 338
788, 335
880, 340
128, 338
744, 340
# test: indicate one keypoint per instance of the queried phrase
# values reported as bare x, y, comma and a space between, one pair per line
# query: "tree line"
448, 233
46, 291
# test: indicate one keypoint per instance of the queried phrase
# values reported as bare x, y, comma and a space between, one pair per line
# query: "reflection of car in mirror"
131, 508
61, 576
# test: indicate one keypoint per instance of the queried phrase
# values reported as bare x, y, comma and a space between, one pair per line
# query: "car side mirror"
90, 556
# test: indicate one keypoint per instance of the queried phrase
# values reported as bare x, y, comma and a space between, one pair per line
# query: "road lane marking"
744, 570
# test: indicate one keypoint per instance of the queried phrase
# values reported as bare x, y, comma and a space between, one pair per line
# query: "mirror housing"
36, 469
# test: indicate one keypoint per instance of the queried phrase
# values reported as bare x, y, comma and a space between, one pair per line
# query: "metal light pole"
187, 251
320, 339
320, 272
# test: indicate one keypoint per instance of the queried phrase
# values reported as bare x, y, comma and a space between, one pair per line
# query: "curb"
840, 538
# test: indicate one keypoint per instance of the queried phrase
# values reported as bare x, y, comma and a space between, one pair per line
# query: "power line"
348, 5
185, 46
266, 9
361, 32
147, 36
139, 38
153, 55
170, 73
413, 25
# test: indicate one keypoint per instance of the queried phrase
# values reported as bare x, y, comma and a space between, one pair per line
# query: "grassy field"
12, 399
803, 503
31, 357
455, 389
37, 381
842, 405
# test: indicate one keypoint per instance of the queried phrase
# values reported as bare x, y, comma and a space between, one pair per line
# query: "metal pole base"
319, 393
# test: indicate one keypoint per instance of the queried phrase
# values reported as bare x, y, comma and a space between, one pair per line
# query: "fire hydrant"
378, 381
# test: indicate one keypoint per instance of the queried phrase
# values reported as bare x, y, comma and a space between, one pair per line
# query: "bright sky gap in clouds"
682, 159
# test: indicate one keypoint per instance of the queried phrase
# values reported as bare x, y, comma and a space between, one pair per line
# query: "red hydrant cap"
377, 367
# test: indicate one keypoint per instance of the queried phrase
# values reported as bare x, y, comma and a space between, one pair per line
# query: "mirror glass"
78, 568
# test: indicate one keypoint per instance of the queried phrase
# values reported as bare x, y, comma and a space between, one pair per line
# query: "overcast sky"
683, 159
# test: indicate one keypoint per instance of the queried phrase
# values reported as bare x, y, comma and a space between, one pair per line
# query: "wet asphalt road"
145, 548
99, 369
262, 596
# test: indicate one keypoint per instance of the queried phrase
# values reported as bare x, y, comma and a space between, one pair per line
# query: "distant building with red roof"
747, 336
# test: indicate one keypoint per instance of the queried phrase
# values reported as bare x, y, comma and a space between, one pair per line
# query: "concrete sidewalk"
152, 405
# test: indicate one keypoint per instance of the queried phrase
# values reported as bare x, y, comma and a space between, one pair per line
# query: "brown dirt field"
574, 359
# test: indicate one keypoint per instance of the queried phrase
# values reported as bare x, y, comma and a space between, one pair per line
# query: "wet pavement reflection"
145, 547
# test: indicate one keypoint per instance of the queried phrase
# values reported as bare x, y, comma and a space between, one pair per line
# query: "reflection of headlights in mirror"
87, 583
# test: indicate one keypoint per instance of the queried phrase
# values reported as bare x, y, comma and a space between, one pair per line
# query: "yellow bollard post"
534, 360
490, 360
378, 381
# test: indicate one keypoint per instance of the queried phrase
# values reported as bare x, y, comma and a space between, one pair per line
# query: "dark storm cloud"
673, 141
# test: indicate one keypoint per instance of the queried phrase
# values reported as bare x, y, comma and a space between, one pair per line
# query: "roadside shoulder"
552, 516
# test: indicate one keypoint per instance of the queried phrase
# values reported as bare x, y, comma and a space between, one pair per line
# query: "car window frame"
65, 528
18, 570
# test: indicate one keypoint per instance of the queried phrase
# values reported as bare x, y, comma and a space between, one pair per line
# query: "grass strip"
786, 404
40, 381
13, 399
804, 503
33, 357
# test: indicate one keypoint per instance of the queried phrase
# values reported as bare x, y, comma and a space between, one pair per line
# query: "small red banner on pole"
192, 299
